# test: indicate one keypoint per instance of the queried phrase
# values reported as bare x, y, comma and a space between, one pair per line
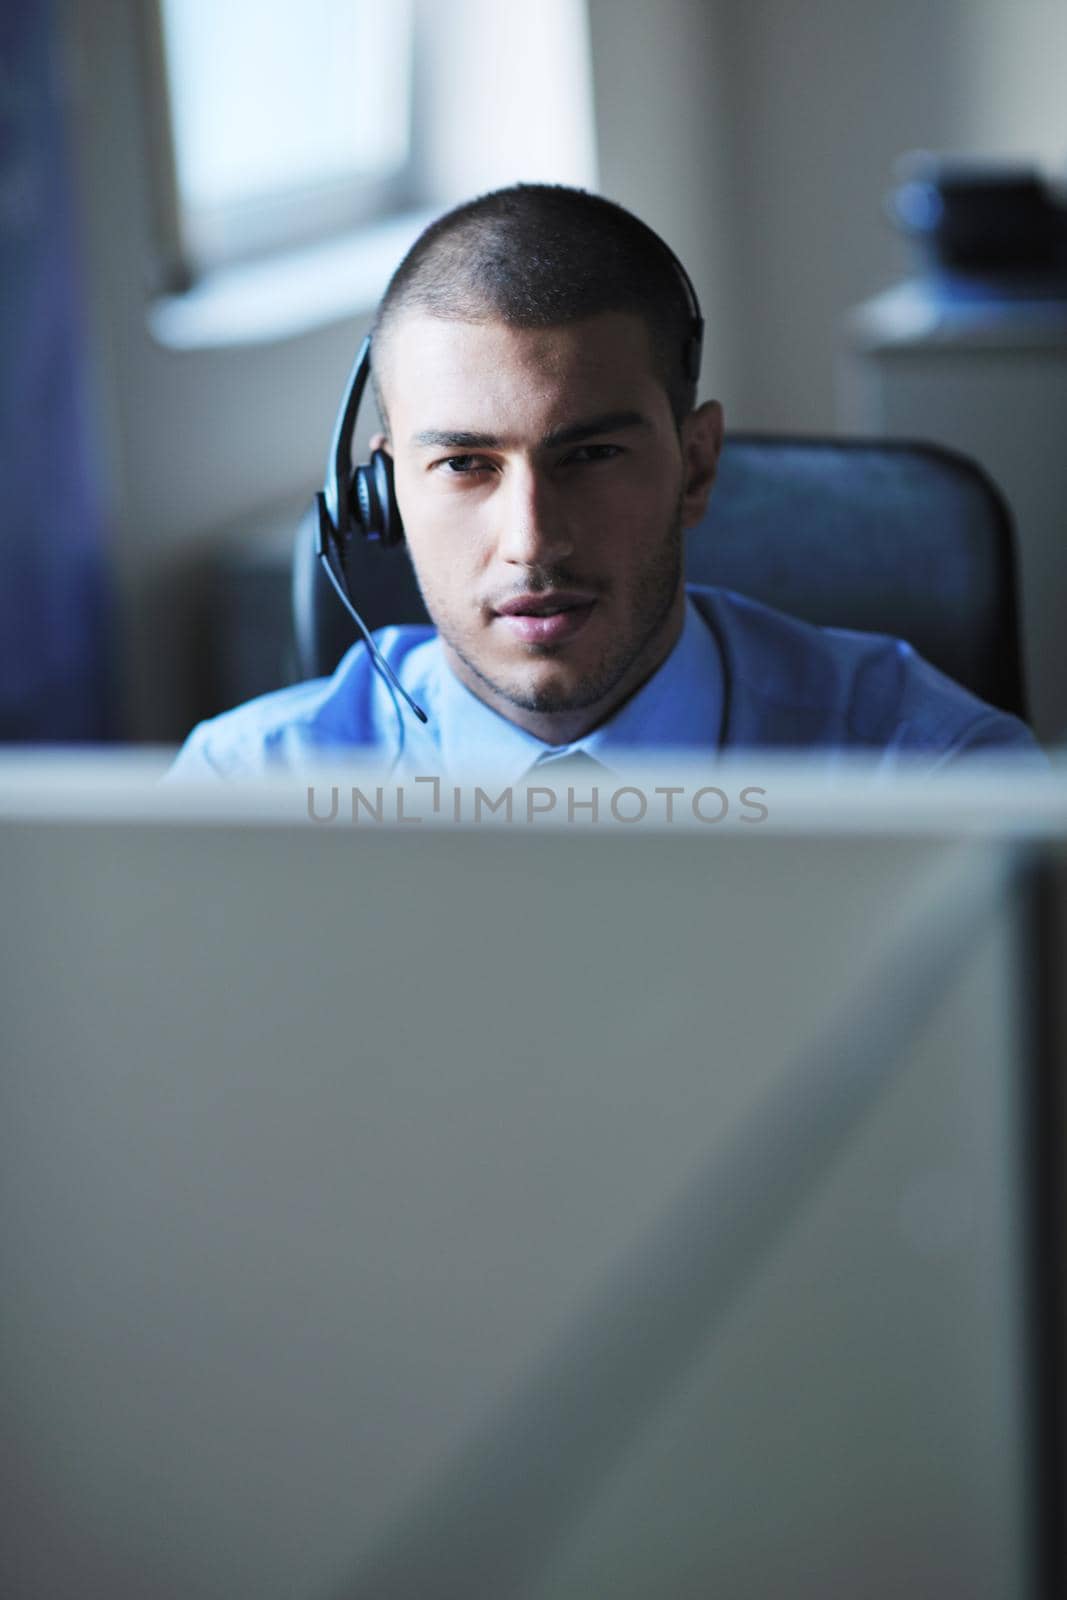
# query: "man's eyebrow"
610, 422
573, 433
455, 439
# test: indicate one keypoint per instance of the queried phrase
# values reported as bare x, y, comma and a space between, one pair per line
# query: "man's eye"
464, 466
595, 452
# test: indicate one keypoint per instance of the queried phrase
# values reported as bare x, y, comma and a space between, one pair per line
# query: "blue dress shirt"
742, 676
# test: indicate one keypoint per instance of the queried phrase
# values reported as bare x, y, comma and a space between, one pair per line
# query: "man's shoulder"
348, 711
789, 682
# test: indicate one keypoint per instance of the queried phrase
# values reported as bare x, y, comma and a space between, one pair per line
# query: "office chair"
907, 539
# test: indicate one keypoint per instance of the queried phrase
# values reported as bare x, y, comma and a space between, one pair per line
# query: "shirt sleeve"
996, 734
194, 759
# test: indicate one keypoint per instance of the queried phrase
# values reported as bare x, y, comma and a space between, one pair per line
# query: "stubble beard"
656, 591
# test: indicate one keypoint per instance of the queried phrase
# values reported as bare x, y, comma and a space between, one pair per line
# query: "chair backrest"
907, 539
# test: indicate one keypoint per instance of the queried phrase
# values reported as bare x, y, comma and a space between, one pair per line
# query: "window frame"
190, 245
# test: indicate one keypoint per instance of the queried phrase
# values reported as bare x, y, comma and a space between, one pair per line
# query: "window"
301, 145
284, 123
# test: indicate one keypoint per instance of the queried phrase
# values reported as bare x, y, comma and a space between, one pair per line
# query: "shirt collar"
678, 708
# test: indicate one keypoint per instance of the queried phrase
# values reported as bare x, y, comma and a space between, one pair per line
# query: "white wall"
663, 142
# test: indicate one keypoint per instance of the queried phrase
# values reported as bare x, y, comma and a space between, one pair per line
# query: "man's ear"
701, 436
379, 441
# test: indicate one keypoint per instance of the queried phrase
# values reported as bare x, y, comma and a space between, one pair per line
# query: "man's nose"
535, 530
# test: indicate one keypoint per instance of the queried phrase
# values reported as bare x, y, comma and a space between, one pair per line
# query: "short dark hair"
541, 255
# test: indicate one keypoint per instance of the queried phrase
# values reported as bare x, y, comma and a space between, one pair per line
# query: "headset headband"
339, 470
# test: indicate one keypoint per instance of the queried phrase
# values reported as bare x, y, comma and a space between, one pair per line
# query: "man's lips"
542, 602
548, 617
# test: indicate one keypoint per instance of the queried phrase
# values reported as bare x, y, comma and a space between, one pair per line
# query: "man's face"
544, 489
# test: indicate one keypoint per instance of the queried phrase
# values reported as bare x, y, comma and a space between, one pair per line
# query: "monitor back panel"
329, 1158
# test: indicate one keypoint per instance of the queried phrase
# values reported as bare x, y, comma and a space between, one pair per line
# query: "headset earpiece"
359, 500
374, 500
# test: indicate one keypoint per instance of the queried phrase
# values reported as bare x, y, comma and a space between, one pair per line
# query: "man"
535, 360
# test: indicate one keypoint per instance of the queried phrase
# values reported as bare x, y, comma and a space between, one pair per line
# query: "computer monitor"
430, 1211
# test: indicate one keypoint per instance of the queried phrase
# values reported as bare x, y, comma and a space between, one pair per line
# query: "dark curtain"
55, 603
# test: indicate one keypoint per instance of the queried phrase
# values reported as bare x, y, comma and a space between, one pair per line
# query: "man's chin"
543, 684
547, 696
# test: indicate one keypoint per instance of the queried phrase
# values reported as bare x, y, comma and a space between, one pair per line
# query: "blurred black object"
982, 220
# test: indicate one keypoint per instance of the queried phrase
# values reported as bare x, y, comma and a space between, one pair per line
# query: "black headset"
361, 500
358, 500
